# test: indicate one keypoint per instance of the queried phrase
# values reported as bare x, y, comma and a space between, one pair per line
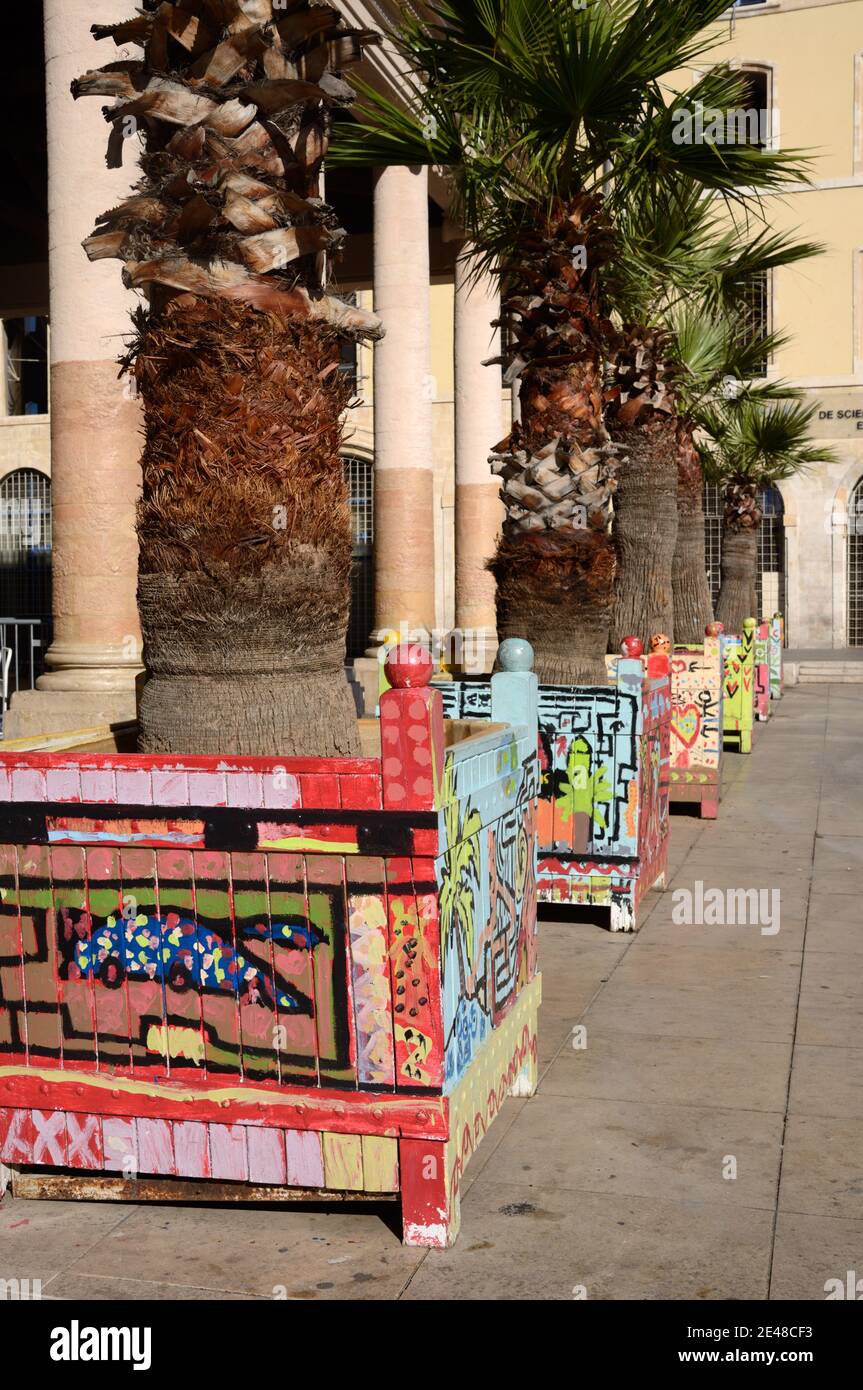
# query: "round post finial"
660, 644
632, 646
749, 624
515, 654
408, 666
714, 630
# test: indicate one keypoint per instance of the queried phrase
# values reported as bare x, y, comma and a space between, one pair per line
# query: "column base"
35, 712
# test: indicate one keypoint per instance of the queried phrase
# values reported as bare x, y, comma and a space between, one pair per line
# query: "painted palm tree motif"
460, 888
584, 792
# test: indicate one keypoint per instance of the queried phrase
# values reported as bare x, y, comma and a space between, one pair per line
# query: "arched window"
25, 542
360, 478
770, 575
855, 567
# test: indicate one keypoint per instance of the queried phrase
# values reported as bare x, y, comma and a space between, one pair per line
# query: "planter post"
776, 672
762, 671
738, 719
696, 723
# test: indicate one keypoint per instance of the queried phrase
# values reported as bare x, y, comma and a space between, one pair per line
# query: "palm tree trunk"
244, 575
556, 589
737, 600
555, 562
693, 604
645, 529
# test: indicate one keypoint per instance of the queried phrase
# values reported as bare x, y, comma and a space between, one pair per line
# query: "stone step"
834, 672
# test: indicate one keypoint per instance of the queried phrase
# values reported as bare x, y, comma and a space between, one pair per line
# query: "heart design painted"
686, 723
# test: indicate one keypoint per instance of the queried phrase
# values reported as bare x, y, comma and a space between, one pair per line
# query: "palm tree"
751, 443
245, 546
684, 267
548, 115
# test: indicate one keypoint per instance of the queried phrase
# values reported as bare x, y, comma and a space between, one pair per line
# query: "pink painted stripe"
155, 1149
120, 1145
98, 786
63, 784
267, 1155
134, 788
245, 789
207, 789
84, 1142
305, 1158
170, 789
49, 1137
228, 1153
28, 784
191, 1149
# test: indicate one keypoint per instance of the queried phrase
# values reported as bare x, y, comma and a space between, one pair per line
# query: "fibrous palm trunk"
693, 605
643, 422
245, 547
741, 520
555, 562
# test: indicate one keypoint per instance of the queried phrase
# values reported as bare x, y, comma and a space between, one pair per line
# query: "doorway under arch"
855, 567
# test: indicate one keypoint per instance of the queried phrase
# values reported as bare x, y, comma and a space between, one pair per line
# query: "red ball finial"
408, 666
632, 646
714, 629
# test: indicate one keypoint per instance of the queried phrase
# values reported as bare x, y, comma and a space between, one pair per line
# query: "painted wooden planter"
313, 976
696, 725
762, 671
603, 807
775, 645
738, 702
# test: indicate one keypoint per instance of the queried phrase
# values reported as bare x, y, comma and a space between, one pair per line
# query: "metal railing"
21, 653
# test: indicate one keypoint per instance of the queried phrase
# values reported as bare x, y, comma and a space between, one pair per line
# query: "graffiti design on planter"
488, 919
181, 952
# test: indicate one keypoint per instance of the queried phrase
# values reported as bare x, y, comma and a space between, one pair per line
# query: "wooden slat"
305, 1158
13, 1028
325, 896
177, 915
38, 938
293, 972
146, 996
219, 999
258, 1015
343, 1162
380, 1164
111, 1006
370, 971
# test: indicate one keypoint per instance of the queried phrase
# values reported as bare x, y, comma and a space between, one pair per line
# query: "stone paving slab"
707, 1142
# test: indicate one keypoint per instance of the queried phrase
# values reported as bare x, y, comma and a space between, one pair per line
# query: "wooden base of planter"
616, 885
696, 785
385, 1150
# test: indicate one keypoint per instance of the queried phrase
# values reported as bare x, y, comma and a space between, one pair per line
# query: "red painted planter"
310, 974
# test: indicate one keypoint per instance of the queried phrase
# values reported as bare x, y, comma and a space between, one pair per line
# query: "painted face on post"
661, 644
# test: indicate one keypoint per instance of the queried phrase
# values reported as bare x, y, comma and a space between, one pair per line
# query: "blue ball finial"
515, 654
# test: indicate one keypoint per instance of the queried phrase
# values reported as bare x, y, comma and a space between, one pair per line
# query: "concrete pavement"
702, 1137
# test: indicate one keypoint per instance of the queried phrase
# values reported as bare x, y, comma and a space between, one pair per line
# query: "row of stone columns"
403, 394
95, 424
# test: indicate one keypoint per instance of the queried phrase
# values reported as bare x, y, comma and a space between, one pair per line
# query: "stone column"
479, 425
95, 424
403, 392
